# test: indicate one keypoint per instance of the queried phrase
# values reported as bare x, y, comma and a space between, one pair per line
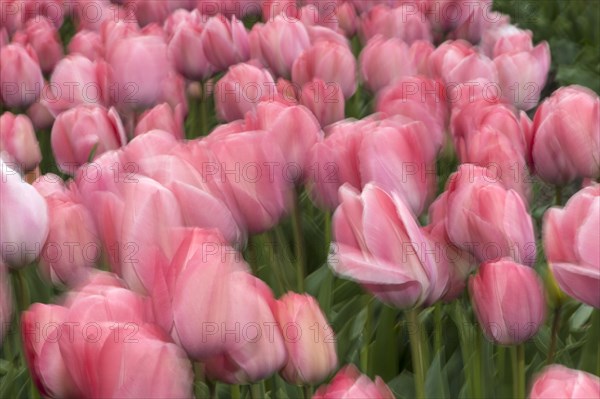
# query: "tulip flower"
570, 237
557, 381
225, 42
161, 117
21, 79
24, 222
43, 37
566, 136
404, 22
349, 383
329, 61
311, 357
324, 100
505, 39
18, 139
241, 89
379, 244
83, 133
508, 299
87, 43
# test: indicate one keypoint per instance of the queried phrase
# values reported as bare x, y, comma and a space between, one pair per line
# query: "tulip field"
328, 199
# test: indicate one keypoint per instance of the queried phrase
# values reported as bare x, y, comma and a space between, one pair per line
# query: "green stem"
476, 365
558, 195
417, 352
307, 390
554, 336
235, 391
364, 354
204, 111
327, 230
518, 358
256, 391
298, 244
437, 337
22, 290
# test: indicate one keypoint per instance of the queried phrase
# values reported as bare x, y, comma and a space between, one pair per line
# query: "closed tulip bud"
347, 18
82, 133
311, 357
5, 302
505, 39
241, 89
278, 43
486, 219
18, 139
41, 34
566, 136
21, 79
161, 117
405, 22
380, 245
24, 223
350, 383
225, 42
383, 61
557, 381
329, 61
324, 100
87, 43
570, 238
522, 74
321, 33
40, 115
70, 223
508, 299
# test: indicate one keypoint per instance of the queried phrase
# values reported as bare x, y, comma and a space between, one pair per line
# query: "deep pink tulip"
84, 132
18, 139
570, 236
324, 100
508, 299
43, 37
278, 43
186, 48
328, 61
5, 302
557, 381
40, 115
311, 357
379, 244
225, 42
566, 136
522, 74
21, 79
350, 383
405, 22
77, 80
384, 61
241, 89
24, 222
87, 43
73, 245
162, 117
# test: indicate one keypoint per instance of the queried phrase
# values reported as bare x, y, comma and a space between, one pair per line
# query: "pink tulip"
451, 14
447, 56
5, 302
486, 219
84, 132
384, 61
557, 381
328, 61
147, 12
318, 33
522, 74
241, 89
404, 22
77, 80
40, 115
311, 357
41, 34
420, 99
254, 170
570, 237
379, 243
24, 226
273, 8
21, 79
161, 117
472, 69
18, 139
73, 245
135, 88
186, 47
506, 39
225, 42
349, 383
508, 299
87, 43
566, 138
256, 349
324, 100
278, 43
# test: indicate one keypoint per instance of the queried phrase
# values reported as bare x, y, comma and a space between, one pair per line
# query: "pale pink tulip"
41, 34
161, 117
324, 100
225, 42
349, 383
18, 139
557, 381
21, 79
405, 22
87, 43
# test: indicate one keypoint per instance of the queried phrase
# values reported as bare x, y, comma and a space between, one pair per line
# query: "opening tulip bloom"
571, 237
349, 383
557, 381
508, 299
379, 244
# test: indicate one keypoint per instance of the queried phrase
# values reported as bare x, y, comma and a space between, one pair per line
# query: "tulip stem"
235, 391
298, 243
22, 291
307, 390
518, 358
558, 195
256, 391
437, 338
327, 228
364, 355
417, 352
203, 111
554, 336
